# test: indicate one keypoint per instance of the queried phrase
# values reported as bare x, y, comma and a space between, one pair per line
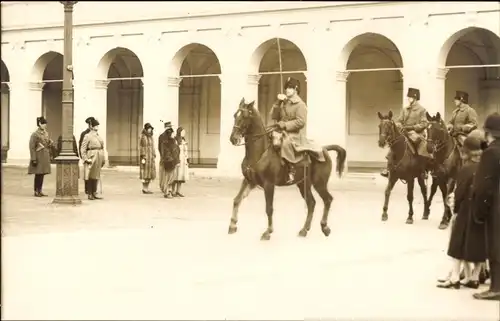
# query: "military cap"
292, 83
413, 93
40, 120
462, 96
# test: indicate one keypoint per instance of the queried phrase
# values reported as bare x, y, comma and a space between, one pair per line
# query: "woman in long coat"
468, 239
169, 160
92, 152
148, 155
40, 147
183, 169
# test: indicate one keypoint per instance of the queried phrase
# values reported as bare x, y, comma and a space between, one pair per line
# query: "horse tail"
341, 157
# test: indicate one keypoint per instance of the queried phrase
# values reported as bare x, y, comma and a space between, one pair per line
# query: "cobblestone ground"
134, 256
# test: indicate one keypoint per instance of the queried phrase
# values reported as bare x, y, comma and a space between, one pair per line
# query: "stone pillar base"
67, 172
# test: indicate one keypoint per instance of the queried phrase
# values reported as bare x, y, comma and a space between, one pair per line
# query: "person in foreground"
92, 153
40, 146
148, 156
486, 200
467, 244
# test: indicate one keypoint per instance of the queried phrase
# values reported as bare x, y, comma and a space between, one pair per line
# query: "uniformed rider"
413, 122
290, 112
463, 119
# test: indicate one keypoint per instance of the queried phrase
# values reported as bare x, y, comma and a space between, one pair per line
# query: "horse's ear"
438, 116
242, 102
251, 105
429, 117
380, 115
390, 114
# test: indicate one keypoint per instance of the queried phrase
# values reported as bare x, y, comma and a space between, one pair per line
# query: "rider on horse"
413, 121
463, 119
290, 111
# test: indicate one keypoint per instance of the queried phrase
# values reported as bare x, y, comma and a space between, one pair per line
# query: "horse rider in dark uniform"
463, 119
290, 112
82, 135
413, 122
486, 200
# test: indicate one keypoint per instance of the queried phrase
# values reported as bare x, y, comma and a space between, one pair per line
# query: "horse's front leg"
387, 195
409, 197
269, 194
245, 189
305, 191
434, 187
446, 189
423, 190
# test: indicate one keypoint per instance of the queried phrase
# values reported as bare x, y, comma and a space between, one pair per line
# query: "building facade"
191, 63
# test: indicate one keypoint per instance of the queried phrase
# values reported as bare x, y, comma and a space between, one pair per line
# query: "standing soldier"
413, 121
82, 135
486, 200
463, 119
92, 152
148, 156
40, 145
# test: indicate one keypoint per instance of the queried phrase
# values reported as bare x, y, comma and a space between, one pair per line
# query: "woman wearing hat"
92, 153
467, 243
169, 160
40, 146
182, 170
147, 158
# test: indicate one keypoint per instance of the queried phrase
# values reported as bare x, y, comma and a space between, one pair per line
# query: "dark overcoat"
82, 135
169, 151
148, 153
415, 116
468, 237
40, 148
487, 198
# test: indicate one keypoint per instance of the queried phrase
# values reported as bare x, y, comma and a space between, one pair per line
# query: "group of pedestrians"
174, 160
475, 233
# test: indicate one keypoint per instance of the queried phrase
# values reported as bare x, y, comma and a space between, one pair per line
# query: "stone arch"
472, 46
369, 92
5, 109
266, 58
124, 104
199, 103
41, 64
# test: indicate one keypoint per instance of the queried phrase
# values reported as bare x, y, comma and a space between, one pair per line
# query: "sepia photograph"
250, 160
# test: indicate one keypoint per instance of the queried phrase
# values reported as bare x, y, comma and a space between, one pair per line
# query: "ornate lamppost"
67, 161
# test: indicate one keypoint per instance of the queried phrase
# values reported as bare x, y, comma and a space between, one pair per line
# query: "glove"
282, 124
281, 97
143, 161
34, 163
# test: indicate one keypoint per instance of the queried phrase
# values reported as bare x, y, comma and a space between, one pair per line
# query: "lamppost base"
67, 173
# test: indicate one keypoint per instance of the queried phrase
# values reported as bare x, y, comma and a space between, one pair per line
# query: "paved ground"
134, 256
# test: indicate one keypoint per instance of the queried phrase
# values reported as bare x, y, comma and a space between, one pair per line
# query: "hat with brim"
492, 125
148, 125
88, 120
94, 122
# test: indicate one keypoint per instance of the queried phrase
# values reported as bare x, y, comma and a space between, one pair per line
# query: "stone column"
25, 106
230, 157
439, 102
99, 111
84, 91
253, 88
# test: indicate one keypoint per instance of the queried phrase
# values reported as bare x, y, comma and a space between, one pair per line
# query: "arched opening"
124, 106
369, 92
473, 47
293, 64
48, 73
5, 108
200, 104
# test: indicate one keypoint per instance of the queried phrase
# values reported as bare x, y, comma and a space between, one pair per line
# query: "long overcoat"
92, 150
487, 197
463, 120
40, 148
169, 152
183, 170
148, 153
414, 116
468, 237
294, 114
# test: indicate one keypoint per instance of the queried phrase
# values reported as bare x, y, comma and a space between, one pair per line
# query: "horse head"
244, 120
387, 129
436, 132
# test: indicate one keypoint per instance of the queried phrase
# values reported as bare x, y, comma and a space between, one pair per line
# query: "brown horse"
405, 166
447, 163
263, 167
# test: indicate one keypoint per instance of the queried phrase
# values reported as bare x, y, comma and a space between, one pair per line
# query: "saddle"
308, 153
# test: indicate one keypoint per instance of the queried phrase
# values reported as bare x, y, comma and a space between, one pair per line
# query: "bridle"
254, 137
438, 144
392, 137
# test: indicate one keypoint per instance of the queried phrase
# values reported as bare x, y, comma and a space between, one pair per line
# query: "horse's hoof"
385, 217
303, 233
443, 226
265, 237
326, 230
409, 221
232, 229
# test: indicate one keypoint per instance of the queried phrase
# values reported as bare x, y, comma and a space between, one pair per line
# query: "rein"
255, 137
440, 144
391, 141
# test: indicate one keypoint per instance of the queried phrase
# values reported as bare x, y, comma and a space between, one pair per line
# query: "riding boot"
291, 173
145, 188
385, 171
86, 186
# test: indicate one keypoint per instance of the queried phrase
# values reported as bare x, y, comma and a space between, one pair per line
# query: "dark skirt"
468, 238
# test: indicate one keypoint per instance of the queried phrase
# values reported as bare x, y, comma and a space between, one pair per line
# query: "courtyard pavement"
135, 256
